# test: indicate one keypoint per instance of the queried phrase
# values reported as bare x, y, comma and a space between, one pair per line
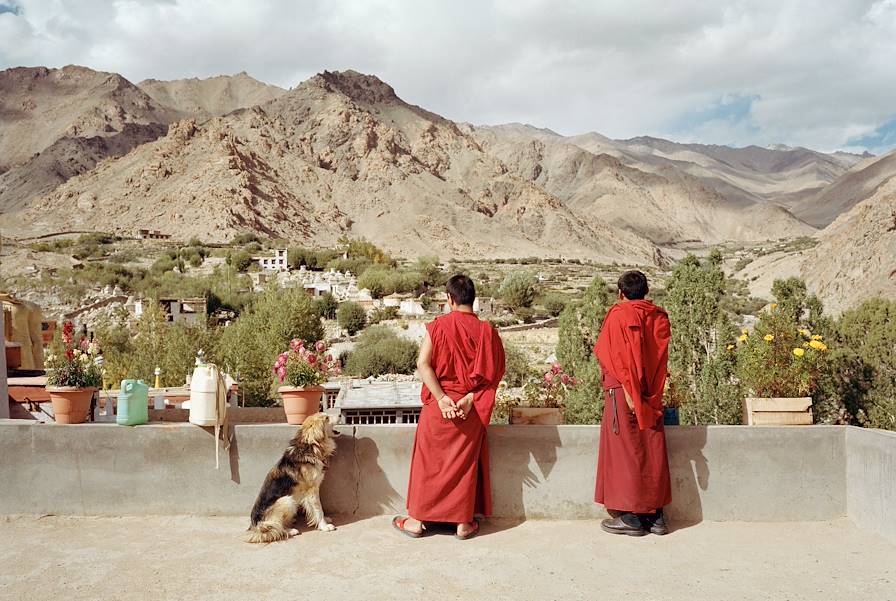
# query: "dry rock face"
856, 257
342, 154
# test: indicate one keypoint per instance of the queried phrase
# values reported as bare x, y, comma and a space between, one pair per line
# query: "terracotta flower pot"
70, 405
300, 402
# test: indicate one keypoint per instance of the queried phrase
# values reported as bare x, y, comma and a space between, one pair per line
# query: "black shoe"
627, 523
655, 523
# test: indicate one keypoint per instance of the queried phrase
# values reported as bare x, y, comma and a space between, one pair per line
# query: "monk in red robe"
632, 465
461, 364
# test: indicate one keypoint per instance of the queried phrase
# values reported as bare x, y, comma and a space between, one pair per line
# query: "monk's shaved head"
461, 289
633, 285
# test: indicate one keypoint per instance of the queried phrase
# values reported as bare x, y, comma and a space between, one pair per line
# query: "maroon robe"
449, 479
632, 464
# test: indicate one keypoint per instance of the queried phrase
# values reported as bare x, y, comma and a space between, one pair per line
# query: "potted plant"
72, 377
301, 370
542, 401
779, 364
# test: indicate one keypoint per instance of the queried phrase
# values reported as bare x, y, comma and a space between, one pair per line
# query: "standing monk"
461, 364
632, 466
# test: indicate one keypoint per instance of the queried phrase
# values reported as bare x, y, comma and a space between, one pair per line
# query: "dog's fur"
295, 483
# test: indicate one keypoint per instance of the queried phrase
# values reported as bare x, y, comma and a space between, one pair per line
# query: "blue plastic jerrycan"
133, 403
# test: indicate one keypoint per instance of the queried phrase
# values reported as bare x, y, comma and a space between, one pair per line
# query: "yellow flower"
818, 345
773, 306
730, 347
768, 337
805, 333
743, 338
745, 332
817, 337
799, 352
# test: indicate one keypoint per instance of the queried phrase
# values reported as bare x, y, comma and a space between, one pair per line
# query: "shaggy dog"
295, 483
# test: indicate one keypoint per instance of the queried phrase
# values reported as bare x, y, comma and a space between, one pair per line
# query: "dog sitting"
295, 483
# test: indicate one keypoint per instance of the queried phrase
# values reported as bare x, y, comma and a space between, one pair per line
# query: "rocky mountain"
40, 106
856, 256
341, 153
201, 99
660, 202
851, 188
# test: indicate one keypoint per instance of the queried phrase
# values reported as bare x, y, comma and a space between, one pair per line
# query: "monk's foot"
408, 526
467, 530
627, 523
412, 525
656, 523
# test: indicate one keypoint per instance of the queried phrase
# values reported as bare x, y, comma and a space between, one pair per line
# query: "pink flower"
574, 381
548, 376
320, 346
556, 368
329, 358
281, 373
564, 378
312, 359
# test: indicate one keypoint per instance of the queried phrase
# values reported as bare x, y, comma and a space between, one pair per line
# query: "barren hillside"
665, 205
212, 97
338, 154
856, 256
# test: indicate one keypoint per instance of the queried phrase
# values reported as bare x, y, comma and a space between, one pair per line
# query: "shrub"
303, 366
517, 365
351, 317
579, 327
554, 304
240, 260
251, 343
519, 289
325, 306
383, 314
380, 351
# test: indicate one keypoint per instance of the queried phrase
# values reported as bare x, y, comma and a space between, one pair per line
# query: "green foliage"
428, 268
554, 303
251, 343
325, 305
240, 260
579, 327
351, 317
517, 366
312, 259
796, 304
383, 314
383, 281
380, 351
360, 248
135, 351
859, 385
703, 375
519, 289
244, 239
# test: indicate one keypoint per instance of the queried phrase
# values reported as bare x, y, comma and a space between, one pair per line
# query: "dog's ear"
315, 428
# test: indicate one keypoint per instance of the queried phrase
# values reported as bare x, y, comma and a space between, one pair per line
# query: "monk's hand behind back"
447, 407
464, 405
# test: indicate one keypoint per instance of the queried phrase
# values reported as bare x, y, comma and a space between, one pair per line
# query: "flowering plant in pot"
542, 400
73, 376
300, 371
780, 364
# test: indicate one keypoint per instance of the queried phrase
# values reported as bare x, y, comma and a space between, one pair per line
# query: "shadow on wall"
520, 466
356, 467
689, 473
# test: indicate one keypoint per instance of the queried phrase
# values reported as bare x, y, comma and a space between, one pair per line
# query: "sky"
738, 72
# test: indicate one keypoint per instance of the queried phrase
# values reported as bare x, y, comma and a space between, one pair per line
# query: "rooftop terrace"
758, 513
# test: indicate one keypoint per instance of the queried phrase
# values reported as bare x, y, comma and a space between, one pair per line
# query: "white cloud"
820, 74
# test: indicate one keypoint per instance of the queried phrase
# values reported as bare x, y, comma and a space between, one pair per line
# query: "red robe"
449, 480
632, 466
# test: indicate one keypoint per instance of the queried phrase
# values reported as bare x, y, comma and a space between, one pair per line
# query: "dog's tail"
265, 532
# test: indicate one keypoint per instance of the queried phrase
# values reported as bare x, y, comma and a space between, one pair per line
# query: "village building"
276, 262
362, 402
144, 234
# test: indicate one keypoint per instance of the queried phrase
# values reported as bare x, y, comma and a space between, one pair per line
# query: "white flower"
76, 353
93, 348
85, 359
51, 358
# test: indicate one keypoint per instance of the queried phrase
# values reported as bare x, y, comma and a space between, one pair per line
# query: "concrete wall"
871, 479
718, 473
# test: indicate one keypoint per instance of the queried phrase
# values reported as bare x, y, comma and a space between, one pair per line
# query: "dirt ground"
162, 558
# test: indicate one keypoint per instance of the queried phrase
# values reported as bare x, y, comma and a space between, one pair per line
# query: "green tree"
250, 344
517, 365
351, 317
380, 351
428, 267
519, 289
700, 369
325, 306
579, 327
554, 303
